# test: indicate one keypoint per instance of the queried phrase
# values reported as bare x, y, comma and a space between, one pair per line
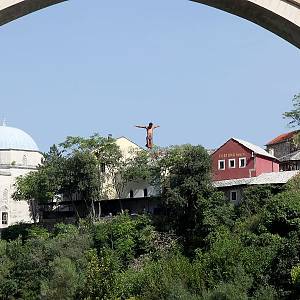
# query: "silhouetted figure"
149, 139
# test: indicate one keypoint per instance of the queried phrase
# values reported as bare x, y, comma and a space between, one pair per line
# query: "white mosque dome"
16, 139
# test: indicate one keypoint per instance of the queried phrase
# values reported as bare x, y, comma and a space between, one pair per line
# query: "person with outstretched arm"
149, 139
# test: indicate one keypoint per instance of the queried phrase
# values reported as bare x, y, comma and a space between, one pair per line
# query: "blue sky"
90, 66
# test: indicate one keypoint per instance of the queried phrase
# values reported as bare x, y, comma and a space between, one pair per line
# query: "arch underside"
281, 26
20, 8
261, 16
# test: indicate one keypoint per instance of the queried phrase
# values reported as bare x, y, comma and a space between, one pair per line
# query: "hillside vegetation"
200, 247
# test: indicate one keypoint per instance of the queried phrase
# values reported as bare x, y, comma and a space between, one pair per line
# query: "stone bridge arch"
282, 17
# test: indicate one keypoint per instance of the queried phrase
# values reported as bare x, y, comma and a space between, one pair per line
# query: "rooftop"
256, 149
291, 156
16, 139
265, 178
274, 178
232, 182
283, 137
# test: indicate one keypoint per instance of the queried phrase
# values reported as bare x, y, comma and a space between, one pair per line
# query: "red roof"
283, 137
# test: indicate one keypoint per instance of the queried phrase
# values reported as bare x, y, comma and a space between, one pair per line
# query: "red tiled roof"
283, 137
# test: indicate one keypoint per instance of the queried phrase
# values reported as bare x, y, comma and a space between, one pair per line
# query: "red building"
240, 159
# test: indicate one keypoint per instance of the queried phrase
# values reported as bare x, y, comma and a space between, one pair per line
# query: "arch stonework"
13, 9
281, 17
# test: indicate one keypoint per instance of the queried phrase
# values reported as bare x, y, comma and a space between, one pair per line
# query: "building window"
242, 162
233, 195
231, 163
221, 164
4, 218
131, 194
145, 192
25, 160
103, 167
5, 195
271, 151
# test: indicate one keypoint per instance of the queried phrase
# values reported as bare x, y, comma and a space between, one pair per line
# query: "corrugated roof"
283, 137
256, 149
265, 178
274, 178
291, 156
232, 182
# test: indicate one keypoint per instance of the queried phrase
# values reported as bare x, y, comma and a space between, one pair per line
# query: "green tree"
108, 159
188, 194
80, 177
115, 170
255, 199
41, 186
294, 118
30, 266
282, 214
74, 173
294, 114
185, 175
100, 275
63, 281
295, 275
8, 285
128, 237
90, 168
137, 167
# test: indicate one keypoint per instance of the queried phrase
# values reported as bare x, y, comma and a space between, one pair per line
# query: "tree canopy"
199, 247
92, 169
294, 114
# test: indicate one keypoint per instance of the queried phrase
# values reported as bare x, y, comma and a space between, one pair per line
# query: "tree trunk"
74, 206
99, 210
32, 206
121, 206
93, 210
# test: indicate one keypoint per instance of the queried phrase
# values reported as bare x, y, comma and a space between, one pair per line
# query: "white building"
19, 155
135, 189
134, 196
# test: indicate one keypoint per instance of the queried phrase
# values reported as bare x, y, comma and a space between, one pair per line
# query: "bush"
63, 280
15, 231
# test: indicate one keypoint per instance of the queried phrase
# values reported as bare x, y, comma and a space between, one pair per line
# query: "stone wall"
282, 149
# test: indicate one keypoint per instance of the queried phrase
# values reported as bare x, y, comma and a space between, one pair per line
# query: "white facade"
19, 155
132, 189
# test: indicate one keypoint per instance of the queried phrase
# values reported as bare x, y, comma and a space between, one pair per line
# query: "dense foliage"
294, 114
91, 169
201, 247
294, 119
